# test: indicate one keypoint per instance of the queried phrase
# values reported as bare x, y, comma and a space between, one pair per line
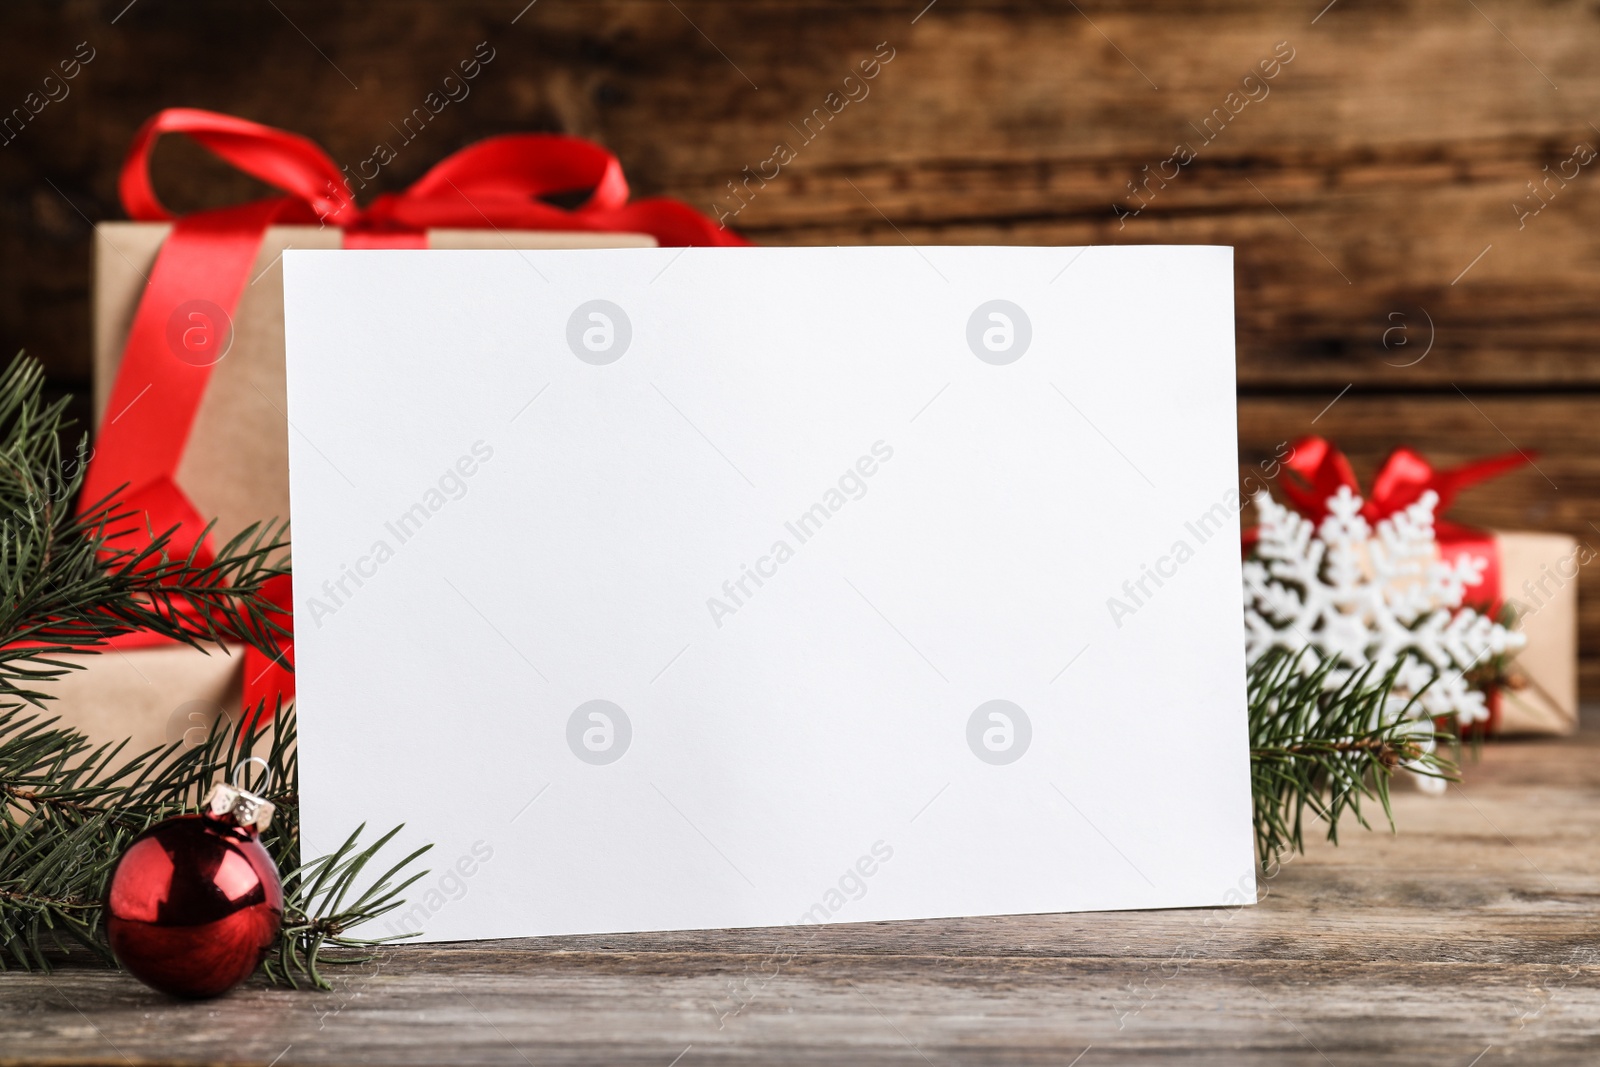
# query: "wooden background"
1369, 195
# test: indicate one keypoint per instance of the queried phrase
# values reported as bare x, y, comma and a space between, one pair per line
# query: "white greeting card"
666, 588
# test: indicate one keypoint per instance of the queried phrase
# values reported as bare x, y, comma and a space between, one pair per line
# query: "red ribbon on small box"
1320, 471
497, 183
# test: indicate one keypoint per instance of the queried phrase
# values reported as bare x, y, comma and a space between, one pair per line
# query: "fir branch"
72, 578
1319, 753
316, 917
63, 825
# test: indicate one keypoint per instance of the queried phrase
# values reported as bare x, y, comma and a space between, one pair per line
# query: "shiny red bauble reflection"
194, 905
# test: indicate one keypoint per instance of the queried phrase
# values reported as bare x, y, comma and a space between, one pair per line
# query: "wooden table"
1469, 938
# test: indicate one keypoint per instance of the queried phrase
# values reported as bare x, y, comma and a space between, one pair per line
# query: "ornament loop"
237, 804
266, 769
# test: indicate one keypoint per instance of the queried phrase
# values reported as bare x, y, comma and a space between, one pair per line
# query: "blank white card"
667, 589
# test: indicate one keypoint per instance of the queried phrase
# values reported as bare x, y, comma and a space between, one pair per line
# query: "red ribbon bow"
498, 183
1401, 481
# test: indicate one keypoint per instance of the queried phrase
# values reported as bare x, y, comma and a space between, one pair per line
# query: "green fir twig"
70, 579
1318, 753
68, 809
69, 582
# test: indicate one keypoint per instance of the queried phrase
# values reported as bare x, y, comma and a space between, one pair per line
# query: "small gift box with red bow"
1529, 580
189, 353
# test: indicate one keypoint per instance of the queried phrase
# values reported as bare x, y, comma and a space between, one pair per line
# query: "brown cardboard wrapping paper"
236, 466
151, 696
1539, 579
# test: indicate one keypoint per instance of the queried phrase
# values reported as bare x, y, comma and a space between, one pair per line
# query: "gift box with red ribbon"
189, 361
1529, 579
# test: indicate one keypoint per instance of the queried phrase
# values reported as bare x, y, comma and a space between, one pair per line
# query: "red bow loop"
498, 183
518, 169
501, 183
283, 160
1323, 469
1400, 482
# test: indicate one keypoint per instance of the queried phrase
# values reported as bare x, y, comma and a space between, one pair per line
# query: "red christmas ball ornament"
195, 903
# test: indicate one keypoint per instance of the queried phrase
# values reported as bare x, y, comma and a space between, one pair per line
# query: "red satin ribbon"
1321, 470
495, 183
1401, 481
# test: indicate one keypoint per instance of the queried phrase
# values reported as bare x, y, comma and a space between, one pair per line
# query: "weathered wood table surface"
1468, 939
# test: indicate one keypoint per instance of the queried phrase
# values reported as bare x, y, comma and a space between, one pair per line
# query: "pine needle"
68, 808
63, 824
1317, 754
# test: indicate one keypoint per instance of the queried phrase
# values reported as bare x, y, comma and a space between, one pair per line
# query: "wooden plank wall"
1412, 170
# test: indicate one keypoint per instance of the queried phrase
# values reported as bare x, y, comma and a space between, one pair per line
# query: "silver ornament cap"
233, 803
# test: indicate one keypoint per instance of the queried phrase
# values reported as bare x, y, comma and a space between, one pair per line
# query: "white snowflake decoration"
1362, 600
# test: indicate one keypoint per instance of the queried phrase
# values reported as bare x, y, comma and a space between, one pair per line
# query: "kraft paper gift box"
1539, 581
235, 469
1535, 576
